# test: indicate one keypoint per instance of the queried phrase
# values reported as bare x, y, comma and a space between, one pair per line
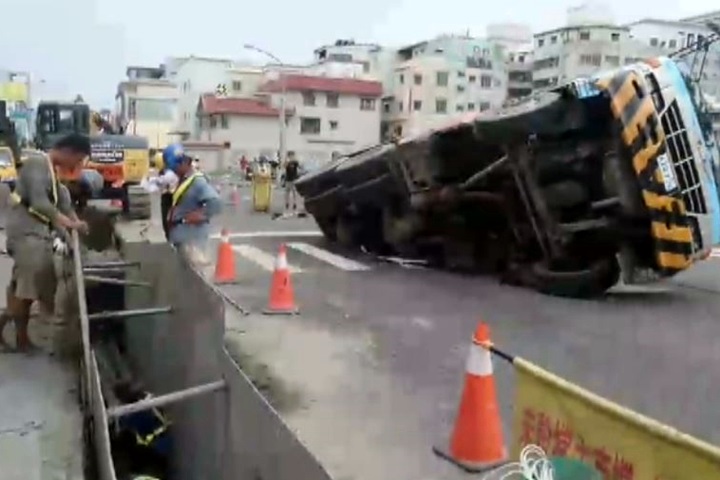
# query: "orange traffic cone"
282, 297
477, 442
225, 266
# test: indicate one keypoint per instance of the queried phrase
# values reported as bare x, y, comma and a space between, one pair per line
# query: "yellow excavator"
122, 160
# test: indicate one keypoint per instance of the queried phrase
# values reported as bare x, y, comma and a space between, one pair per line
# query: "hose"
533, 465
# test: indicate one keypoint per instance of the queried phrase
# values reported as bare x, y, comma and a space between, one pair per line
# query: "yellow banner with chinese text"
568, 421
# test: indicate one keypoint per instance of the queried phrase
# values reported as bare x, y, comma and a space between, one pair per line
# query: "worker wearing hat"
194, 203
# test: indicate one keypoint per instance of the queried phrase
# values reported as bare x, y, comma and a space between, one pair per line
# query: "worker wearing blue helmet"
194, 203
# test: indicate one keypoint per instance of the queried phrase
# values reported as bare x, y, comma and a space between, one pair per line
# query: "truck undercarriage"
542, 193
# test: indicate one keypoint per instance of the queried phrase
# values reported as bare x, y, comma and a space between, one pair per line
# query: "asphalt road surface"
654, 349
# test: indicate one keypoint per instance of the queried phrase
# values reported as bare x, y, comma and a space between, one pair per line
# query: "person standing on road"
292, 172
194, 203
37, 225
166, 182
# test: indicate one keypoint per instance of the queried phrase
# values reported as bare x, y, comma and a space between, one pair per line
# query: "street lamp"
283, 100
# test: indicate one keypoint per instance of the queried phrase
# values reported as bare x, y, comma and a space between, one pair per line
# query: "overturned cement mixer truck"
562, 191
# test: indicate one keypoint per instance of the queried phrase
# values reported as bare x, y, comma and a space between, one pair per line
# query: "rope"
533, 465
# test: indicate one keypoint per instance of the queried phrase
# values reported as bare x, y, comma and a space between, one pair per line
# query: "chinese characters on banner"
559, 440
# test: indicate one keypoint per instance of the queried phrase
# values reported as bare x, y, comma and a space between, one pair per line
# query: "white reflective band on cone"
282, 263
479, 362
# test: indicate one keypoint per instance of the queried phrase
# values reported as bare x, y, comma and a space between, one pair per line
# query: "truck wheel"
620, 181
346, 231
137, 204
590, 282
565, 194
328, 227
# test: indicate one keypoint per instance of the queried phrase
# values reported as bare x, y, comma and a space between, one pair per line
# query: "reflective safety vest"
147, 439
53, 194
183, 187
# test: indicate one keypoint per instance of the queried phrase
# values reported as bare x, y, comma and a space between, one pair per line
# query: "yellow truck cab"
8, 170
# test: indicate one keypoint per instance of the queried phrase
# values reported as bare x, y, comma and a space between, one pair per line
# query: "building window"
366, 67
541, 42
224, 122
592, 60
654, 42
472, 78
417, 105
400, 106
460, 108
584, 35
154, 109
417, 78
460, 88
441, 105
690, 39
484, 106
553, 39
486, 81
521, 58
461, 74
442, 79
213, 122
471, 106
309, 125
672, 43
237, 86
612, 60
402, 79
367, 104
332, 100
386, 107
333, 124
615, 37
308, 99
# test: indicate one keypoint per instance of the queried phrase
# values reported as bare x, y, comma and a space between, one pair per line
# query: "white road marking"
270, 234
715, 253
261, 258
335, 260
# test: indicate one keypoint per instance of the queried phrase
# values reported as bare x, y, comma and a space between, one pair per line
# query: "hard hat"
173, 156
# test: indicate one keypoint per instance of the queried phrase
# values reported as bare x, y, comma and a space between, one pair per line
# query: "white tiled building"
590, 41
146, 105
324, 115
664, 37
434, 80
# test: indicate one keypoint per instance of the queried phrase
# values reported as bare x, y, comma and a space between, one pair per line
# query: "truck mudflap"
645, 142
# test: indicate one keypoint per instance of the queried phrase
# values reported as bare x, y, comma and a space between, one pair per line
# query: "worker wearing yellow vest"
37, 225
194, 203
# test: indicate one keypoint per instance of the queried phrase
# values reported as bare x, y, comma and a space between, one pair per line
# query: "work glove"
60, 247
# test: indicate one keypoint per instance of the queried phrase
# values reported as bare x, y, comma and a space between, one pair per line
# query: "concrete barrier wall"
259, 444
230, 435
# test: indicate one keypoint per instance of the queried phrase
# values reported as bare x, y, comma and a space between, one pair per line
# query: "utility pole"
283, 102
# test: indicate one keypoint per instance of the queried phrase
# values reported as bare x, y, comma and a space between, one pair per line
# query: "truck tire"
137, 203
590, 282
328, 227
620, 181
565, 194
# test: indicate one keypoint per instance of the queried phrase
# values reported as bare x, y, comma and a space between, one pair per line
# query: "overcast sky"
83, 46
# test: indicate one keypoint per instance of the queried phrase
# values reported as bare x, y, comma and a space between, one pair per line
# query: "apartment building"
663, 37
590, 41
440, 78
146, 104
324, 116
